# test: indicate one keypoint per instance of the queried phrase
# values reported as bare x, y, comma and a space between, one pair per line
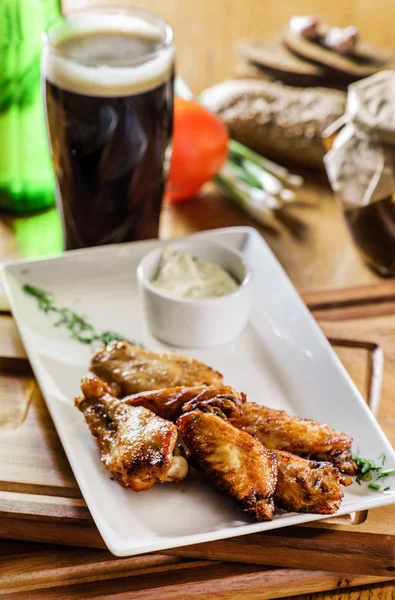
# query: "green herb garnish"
78, 327
378, 488
386, 473
374, 486
367, 467
219, 413
196, 418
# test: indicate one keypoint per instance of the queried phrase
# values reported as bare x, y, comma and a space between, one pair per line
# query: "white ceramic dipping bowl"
197, 323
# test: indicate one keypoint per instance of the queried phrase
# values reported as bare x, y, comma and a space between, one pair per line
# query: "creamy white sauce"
185, 276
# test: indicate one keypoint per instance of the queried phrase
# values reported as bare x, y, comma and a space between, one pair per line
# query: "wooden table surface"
206, 30
324, 258
321, 253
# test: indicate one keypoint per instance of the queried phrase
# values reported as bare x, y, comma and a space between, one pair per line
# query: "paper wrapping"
361, 163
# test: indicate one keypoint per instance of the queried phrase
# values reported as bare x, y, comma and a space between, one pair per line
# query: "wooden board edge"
51, 572
214, 583
80, 533
366, 554
361, 553
367, 294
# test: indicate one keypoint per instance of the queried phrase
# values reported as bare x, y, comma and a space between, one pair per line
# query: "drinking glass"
108, 79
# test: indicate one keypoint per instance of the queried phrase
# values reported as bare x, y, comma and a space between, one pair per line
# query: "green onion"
263, 178
219, 413
255, 184
240, 194
279, 172
374, 486
367, 467
386, 473
244, 174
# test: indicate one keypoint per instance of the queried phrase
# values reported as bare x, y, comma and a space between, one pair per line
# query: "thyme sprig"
368, 467
77, 325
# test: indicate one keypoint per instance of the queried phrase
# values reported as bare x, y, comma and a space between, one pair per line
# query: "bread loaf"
274, 58
363, 61
278, 121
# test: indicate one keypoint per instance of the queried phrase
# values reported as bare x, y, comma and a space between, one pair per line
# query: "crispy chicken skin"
236, 463
130, 369
137, 446
276, 429
172, 402
341, 460
307, 485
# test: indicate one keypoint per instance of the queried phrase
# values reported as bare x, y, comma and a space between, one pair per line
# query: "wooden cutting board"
32, 571
40, 571
40, 500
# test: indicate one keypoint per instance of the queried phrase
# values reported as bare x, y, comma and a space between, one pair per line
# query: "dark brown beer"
110, 130
373, 229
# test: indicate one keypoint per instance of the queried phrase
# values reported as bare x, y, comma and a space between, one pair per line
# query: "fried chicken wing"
137, 446
172, 402
276, 429
342, 460
236, 463
130, 369
307, 485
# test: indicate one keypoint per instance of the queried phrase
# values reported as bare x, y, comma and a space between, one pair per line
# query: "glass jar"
360, 164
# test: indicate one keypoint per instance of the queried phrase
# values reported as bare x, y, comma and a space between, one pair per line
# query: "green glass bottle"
27, 182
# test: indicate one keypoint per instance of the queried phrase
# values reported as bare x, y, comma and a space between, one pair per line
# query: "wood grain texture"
385, 591
238, 580
206, 30
226, 582
36, 483
181, 220
357, 553
324, 257
37, 571
50, 569
365, 544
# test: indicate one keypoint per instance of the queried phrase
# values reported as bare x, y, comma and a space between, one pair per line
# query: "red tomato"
200, 148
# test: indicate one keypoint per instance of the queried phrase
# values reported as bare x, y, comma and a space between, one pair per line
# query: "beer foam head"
108, 53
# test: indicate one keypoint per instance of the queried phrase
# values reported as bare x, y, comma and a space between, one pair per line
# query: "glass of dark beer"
108, 84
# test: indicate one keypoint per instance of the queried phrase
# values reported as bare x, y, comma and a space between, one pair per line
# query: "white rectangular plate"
282, 359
